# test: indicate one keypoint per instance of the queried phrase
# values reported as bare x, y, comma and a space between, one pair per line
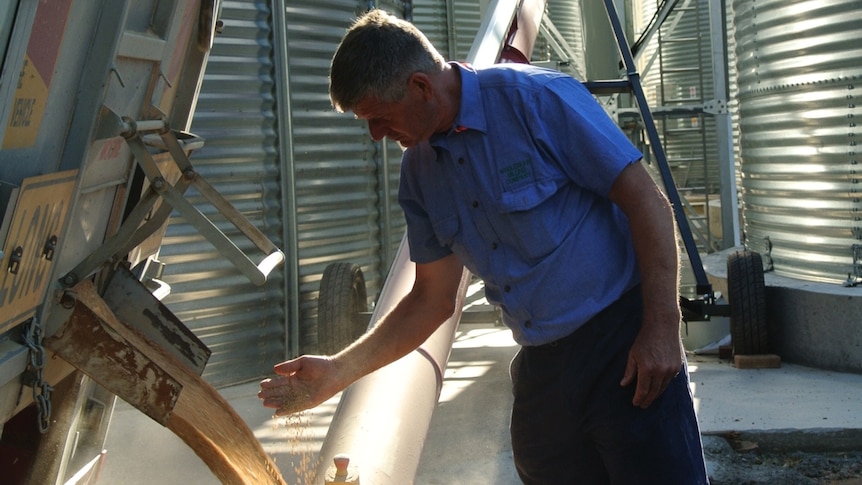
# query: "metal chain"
36, 378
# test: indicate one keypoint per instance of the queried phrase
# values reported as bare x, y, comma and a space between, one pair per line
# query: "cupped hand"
300, 384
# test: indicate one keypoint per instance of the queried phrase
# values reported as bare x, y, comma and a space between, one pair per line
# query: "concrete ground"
788, 408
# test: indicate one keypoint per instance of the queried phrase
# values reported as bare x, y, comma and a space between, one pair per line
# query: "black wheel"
747, 298
340, 305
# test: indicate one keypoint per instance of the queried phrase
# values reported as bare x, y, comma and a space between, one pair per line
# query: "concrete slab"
468, 442
789, 397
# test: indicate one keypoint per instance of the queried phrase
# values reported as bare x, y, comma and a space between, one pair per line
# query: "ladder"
705, 304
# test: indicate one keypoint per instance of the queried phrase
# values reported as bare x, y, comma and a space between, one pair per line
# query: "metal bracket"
136, 306
855, 278
137, 226
715, 107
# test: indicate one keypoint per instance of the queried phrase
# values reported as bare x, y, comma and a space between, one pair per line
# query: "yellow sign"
28, 108
33, 239
34, 79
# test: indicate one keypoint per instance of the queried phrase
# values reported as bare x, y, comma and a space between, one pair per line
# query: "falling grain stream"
201, 417
211, 427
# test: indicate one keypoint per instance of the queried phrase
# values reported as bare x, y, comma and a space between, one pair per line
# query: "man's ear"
419, 82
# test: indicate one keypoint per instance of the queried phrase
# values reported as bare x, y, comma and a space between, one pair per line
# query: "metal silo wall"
433, 20
467, 21
800, 67
450, 25
566, 17
339, 171
242, 324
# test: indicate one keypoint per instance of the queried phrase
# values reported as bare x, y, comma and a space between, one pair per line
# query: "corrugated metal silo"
800, 68
568, 20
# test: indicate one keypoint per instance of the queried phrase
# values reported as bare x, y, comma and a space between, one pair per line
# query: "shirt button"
507, 288
460, 160
528, 324
494, 245
475, 203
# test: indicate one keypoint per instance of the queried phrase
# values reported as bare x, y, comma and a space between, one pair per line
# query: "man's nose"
377, 129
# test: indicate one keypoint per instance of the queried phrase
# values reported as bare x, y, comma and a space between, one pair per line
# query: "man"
516, 173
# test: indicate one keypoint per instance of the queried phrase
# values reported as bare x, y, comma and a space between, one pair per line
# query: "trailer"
95, 106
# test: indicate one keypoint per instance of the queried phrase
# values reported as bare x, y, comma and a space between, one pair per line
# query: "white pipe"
382, 419
492, 32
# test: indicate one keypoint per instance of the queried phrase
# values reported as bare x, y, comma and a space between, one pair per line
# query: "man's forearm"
430, 302
395, 335
658, 261
653, 233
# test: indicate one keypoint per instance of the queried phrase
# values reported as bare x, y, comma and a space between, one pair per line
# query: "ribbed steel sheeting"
336, 165
800, 67
450, 25
467, 21
433, 20
566, 17
242, 324
733, 88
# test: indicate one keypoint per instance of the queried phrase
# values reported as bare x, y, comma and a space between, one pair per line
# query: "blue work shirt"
518, 189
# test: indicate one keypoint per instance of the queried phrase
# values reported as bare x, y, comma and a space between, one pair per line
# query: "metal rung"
603, 88
680, 70
682, 131
678, 40
687, 101
131, 127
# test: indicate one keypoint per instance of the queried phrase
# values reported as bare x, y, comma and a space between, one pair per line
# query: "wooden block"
758, 361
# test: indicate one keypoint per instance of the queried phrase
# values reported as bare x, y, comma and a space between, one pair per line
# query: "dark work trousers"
572, 422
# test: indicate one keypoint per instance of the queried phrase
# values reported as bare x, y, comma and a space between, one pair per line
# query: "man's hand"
655, 358
302, 383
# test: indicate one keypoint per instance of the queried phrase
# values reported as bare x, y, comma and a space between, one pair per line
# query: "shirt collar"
471, 115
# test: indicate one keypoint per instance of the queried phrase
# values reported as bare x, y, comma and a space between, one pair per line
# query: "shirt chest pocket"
531, 218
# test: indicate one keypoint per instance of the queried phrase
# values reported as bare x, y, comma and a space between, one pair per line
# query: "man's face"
408, 121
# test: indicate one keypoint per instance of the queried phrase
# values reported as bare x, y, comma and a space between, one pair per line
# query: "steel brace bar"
135, 230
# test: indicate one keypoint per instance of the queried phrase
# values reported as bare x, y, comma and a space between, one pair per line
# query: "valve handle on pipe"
342, 472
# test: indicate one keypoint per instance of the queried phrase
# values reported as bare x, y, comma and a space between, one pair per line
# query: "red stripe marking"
46, 36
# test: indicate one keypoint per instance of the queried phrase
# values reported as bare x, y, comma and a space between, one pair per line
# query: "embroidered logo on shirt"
516, 174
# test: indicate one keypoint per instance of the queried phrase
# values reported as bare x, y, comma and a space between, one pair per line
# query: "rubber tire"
340, 303
747, 297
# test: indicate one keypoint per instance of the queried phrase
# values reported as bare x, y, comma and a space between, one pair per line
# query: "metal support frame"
137, 226
729, 203
632, 84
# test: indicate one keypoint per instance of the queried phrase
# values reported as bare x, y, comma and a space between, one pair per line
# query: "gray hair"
377, 55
